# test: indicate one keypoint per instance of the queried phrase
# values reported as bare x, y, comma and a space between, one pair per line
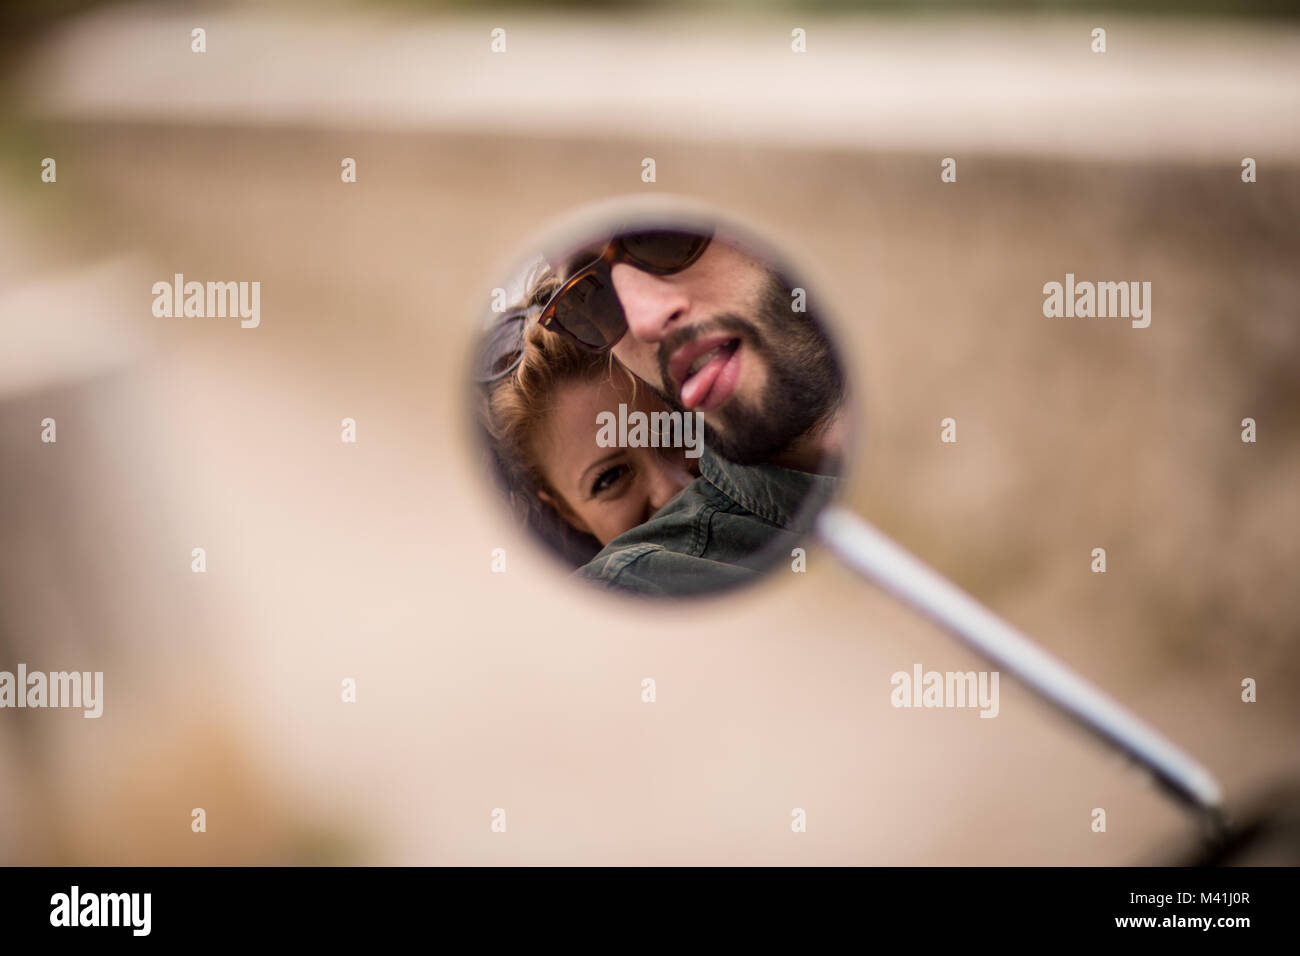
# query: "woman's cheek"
621, 515
603, 520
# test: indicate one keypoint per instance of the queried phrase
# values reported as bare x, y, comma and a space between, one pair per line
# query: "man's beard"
805, 383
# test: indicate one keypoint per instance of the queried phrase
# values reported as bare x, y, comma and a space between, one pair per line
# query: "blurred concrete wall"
522, 691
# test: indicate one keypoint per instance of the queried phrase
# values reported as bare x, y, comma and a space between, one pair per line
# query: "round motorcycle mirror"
661, 398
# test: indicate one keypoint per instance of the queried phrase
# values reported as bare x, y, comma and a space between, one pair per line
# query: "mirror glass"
660, 399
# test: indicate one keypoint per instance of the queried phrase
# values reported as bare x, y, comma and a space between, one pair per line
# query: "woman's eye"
607, 479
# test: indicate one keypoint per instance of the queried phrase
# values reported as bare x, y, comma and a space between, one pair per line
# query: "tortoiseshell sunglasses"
586, 306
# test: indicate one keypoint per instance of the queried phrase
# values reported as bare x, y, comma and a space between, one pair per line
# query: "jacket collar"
779, 495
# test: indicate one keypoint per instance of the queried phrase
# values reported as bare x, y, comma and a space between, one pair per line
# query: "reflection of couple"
708, 328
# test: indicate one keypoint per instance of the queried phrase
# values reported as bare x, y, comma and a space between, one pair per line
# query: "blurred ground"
522, 691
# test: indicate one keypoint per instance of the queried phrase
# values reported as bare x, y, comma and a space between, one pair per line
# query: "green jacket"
720, 531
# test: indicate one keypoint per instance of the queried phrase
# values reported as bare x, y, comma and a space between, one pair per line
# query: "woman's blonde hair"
517, 406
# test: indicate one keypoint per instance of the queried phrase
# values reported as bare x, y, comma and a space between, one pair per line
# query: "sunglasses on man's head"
586, 306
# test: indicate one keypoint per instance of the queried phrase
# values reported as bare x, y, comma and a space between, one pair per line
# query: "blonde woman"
544, 397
